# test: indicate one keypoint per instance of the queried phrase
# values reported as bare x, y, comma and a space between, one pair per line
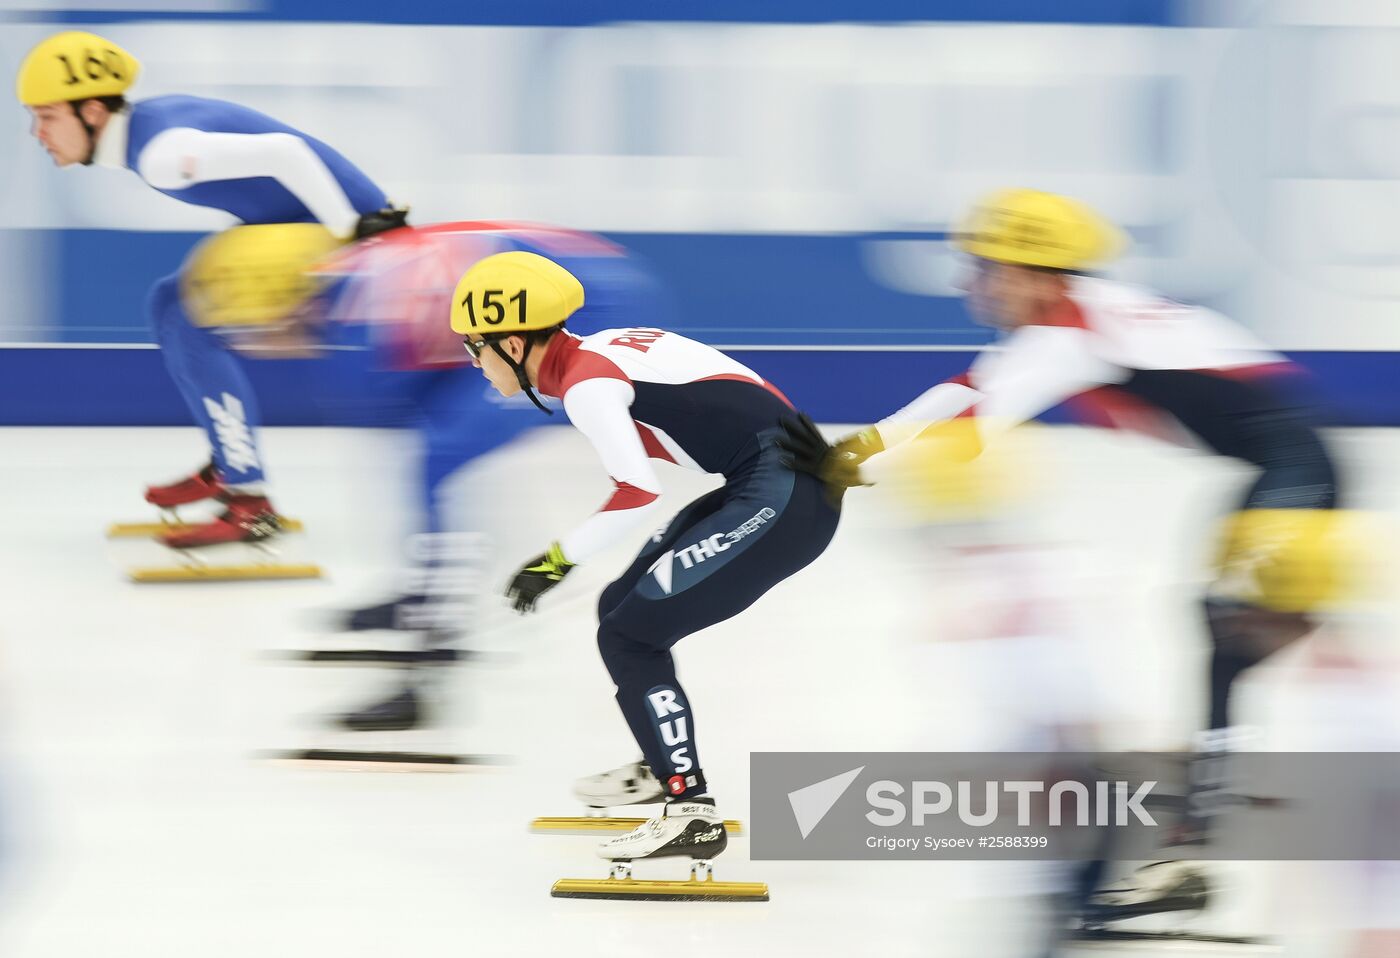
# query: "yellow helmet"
1031, 228
74, 66
514, 293
253, 275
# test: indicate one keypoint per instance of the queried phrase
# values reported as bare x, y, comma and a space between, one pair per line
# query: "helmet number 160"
109, 65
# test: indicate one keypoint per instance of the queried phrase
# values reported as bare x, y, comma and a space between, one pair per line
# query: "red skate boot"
247, 519
204, 484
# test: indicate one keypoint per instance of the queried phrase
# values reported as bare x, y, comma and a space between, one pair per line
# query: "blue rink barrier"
571, 13
743, 289
128, 386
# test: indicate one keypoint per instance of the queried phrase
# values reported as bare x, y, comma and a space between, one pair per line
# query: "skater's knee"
1250, 633
613, 646
626, 654
436, 472
163, 308
164, 295
610, 599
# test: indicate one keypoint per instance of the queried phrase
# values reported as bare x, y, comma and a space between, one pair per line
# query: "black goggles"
474, 349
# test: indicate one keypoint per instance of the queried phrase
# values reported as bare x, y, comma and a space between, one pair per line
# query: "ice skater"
207, 153
640, 393
1119, 349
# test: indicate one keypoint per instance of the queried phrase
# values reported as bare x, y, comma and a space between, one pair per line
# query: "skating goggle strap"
475, 349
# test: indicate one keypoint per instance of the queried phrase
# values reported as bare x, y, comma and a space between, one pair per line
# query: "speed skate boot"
1155, 889
244, 519
436, 618
690, 827
632, 784
204, 484
399, 712
401, 614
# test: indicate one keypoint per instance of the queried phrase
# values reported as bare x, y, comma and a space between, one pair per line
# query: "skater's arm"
1037, 368
947, 400
600, 408
182, 157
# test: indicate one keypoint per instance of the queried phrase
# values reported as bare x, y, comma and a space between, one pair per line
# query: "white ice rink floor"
138, 820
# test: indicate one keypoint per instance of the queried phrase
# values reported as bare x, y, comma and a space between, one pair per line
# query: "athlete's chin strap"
77, 106
520, 376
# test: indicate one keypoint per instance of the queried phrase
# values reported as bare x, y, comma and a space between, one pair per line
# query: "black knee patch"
1251, 633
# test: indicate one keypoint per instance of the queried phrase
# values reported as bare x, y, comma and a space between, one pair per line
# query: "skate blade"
374, 656
150, 530
384, 761
1115, 934
634, 889
225, 573
586, 825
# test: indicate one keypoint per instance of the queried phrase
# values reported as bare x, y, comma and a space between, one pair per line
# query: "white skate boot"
632, 784
690, 828
1179, 901
687, 829
629, 785
1154, 889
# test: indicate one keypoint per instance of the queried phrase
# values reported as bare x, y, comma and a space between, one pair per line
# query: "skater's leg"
1280, 543
456, 424
1242, 636
213, 384
1278, 549
667, 537
163, 307
711, 570
460, 424
1287, 556
707, 572
642, 668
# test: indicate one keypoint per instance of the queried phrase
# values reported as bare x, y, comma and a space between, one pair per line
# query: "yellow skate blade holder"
225, 573
149, 530
191, 567
692, 889
591, 825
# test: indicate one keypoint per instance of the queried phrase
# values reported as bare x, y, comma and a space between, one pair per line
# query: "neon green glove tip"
556, 556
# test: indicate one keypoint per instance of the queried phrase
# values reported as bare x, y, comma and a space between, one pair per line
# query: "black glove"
380, 221
537, 577
837, 466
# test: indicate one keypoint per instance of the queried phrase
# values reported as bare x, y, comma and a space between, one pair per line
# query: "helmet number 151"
493, 310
